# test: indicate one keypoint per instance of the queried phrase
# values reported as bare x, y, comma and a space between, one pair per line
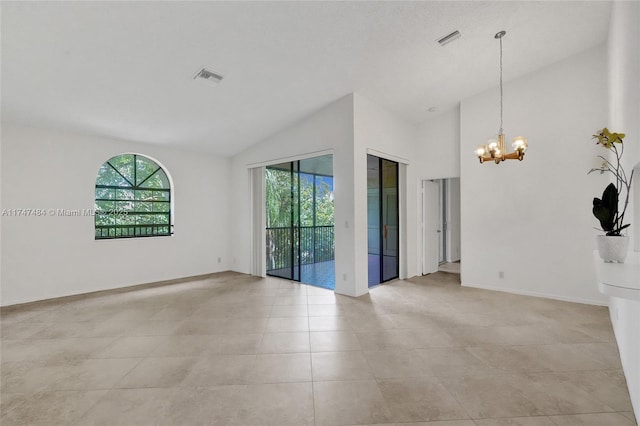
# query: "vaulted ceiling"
124, 69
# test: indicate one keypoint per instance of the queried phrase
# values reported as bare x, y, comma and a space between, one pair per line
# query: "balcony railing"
316, 244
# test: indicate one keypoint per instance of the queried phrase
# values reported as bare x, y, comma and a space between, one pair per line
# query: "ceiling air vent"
207, 76
449, 38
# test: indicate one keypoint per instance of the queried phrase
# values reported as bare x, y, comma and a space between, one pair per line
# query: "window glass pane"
161, 219
144, 207
161, 207
108, 176
124, 165
105, 205
157, 180
144, 168
105, 193
127, 206
125, 194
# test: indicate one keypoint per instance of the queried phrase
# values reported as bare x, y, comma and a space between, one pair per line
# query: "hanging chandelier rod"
495, 150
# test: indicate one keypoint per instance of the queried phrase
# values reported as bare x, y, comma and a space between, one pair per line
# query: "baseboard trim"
99, 293
542, 295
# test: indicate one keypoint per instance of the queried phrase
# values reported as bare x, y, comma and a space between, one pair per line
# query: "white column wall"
331, 128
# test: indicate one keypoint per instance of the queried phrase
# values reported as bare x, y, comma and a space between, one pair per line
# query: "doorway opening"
441, 225
383, 230
300, 221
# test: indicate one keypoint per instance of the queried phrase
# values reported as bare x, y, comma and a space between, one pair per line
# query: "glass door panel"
374, 220
382, 220
390, 228
282, 216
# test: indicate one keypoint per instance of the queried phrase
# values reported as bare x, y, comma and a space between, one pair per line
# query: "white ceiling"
124, 69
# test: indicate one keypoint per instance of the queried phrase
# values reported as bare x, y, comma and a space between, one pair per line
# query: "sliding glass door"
382, 220
300, 225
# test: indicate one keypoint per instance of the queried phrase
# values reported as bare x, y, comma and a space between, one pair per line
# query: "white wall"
532, 219
624, 91
46, 257
437, 154
624, 116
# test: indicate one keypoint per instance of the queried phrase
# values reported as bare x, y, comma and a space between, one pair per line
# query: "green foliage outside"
279, 192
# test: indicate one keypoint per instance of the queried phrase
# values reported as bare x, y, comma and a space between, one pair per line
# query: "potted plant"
613, 245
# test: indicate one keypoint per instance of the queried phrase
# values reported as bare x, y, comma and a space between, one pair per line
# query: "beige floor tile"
93, 374
218, 405
369, 322
154, 328
216, 370
229, 344
607, 386
419, 400
606, 354
516, 421
161, 372
490, 396
328, 323
349, 403
441, 423
287, 324
281, 343
53, 351
281, 368
327, 310
28, 377
560, 357
554, 395
602, 419
187, 345
407, 352
395, 364
289, 311
385, 340
452, 362
130, 347
340, 366
20, 329
509, 358
127, 407
51, 408
282, 404
291, 299
630, 415
334, 341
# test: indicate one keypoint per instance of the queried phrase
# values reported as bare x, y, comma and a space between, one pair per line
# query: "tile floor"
238, 350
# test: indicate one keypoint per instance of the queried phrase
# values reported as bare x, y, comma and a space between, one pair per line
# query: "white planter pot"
613, 249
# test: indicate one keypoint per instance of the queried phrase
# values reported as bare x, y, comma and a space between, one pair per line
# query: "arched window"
133, 199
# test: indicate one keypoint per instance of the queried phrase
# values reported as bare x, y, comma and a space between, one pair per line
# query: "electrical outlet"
344, 277
219, 260
500, 274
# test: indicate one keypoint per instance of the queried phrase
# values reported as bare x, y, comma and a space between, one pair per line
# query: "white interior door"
430, 226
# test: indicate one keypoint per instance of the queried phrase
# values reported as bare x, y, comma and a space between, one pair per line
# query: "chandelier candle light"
494, 150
